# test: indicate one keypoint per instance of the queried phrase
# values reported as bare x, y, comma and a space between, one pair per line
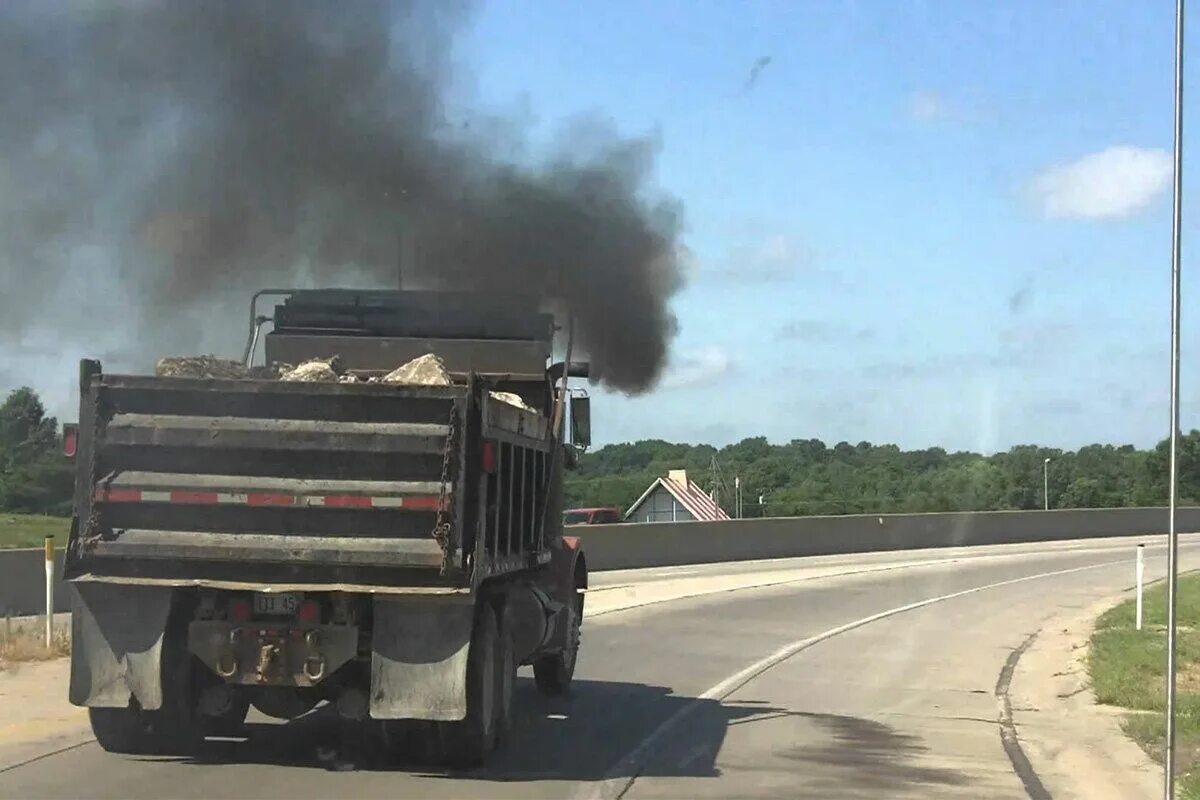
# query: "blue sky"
928, 223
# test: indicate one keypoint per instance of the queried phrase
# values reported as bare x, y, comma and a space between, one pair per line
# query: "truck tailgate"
194, 478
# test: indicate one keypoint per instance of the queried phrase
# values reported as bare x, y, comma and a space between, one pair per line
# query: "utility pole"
716, 482
1172, 533
1046, 484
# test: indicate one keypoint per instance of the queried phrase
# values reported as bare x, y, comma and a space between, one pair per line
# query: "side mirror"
581, 421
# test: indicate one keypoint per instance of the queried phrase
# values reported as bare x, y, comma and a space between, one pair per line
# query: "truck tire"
133, 731
232, 722
169, 730
121, 730
553, 673
468, 743
506, 675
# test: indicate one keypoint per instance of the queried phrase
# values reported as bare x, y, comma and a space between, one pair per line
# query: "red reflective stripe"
347, 501
261, 499
270, 500
422, 503
193, 498
118, 495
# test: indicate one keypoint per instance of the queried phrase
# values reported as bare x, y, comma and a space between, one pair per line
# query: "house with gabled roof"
674, 498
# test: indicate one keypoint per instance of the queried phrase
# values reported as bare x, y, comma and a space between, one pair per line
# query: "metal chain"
441, 527
90, 535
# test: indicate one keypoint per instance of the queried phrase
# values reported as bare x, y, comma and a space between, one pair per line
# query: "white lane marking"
761, 584
620, 777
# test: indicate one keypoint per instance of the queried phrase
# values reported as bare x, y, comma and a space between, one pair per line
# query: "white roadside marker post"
1141, 577
49, 591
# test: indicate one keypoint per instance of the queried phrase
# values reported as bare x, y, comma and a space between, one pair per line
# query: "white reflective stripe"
387, 502
243, 498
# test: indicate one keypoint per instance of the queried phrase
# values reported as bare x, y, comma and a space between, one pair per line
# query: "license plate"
277, 604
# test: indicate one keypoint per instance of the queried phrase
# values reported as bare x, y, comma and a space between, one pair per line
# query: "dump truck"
394, 551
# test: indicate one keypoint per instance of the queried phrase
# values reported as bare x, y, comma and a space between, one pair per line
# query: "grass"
1128, 669
31, 530
26, 641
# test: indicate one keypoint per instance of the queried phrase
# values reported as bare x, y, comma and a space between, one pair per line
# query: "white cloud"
927, 106
1116, 182
697, 367
775, 257
817, 331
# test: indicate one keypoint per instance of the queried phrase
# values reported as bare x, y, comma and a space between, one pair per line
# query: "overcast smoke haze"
165, 160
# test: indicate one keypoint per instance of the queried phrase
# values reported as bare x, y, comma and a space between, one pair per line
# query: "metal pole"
49, 591
1172, 534
1046, 484
1140, 580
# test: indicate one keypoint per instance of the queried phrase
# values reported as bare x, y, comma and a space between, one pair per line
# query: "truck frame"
393, 550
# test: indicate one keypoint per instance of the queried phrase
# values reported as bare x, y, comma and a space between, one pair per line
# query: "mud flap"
419, 658
116, 644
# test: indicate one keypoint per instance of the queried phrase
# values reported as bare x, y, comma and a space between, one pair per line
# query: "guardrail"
659, 544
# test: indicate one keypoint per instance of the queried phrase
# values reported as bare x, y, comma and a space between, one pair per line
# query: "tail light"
70, 440
309, 612
239, 609
489, 457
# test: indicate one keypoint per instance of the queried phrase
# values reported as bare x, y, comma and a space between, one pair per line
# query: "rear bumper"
264, 653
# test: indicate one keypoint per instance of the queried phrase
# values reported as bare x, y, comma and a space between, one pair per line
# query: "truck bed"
264, 481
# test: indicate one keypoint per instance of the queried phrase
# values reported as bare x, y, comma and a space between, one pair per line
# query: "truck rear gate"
365, 484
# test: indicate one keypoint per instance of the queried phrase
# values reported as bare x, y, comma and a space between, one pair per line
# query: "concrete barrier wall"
658, 544
23, 582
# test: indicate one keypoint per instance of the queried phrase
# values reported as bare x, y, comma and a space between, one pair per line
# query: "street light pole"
1046, 484
1172, 534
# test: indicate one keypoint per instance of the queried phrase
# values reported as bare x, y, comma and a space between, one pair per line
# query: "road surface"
873, 675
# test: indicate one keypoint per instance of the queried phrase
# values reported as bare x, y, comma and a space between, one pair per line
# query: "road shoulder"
35, 717
1075, 746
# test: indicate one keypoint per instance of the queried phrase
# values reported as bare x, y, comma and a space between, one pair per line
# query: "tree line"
804, 476
35, 478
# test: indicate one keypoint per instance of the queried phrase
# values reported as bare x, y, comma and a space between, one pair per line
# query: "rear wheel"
553, 673
121, 730
506, 676
170, 729
469, 742
408, 740
231, 722
134, 731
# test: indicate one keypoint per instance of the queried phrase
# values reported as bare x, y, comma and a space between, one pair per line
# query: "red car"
591, 516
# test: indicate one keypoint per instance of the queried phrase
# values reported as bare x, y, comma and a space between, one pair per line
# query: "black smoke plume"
163, 159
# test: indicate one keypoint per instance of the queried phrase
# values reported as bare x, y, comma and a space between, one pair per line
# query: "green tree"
805, 476
34, 477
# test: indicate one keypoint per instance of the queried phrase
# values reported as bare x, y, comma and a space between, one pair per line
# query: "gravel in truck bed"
426, 370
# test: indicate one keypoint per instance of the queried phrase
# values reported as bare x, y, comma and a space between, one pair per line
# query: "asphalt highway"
877, 675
